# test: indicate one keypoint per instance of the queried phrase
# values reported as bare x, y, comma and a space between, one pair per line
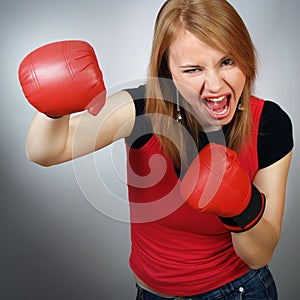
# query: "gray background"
57, 241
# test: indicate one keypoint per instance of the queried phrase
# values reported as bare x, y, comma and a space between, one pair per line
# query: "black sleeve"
275, 138
142, 130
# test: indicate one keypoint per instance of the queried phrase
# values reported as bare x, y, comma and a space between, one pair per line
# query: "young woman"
207, 161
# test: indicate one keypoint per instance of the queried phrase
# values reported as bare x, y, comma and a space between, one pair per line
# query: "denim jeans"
254, 285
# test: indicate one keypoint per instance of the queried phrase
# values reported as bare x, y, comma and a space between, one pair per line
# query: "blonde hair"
218, 25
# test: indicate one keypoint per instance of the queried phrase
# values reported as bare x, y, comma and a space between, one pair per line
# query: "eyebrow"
190, 66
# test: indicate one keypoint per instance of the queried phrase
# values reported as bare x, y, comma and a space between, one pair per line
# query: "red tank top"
176, 250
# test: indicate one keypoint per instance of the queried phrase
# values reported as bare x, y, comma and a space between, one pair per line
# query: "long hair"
216, 23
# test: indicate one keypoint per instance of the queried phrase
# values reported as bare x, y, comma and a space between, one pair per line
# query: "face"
209, 80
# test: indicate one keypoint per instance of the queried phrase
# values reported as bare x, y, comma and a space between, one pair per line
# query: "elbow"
259, 259
254, 248
38, 159
42, 164
39, 162
259, 263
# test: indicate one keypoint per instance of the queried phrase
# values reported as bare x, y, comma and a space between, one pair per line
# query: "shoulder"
138, 95
142, 130
275, 136
275, 119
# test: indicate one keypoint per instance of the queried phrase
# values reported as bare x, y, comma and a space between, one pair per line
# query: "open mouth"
218, 107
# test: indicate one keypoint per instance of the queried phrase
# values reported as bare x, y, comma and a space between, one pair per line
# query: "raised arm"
53, 141
62, 78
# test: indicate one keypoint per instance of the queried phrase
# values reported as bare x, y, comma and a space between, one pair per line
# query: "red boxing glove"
63, 78
215, 183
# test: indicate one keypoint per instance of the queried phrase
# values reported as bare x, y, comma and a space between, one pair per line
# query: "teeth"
216, 99
220, 112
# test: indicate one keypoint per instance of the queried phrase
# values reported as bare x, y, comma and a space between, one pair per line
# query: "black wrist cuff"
54, 117
250, 216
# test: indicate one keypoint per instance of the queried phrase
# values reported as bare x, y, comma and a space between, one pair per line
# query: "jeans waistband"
217, 293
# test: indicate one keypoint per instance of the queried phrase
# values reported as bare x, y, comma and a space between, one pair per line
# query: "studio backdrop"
64, 231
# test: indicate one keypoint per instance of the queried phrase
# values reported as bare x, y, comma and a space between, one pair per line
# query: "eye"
227, 62
193, 70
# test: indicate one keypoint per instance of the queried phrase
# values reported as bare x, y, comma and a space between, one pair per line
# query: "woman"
201, 74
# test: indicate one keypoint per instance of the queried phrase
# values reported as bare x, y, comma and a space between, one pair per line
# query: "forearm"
256, 246
46, 139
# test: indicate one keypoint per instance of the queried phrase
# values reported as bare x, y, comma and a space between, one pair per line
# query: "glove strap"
250, 216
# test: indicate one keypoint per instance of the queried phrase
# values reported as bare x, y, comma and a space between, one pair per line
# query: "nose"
213, 81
